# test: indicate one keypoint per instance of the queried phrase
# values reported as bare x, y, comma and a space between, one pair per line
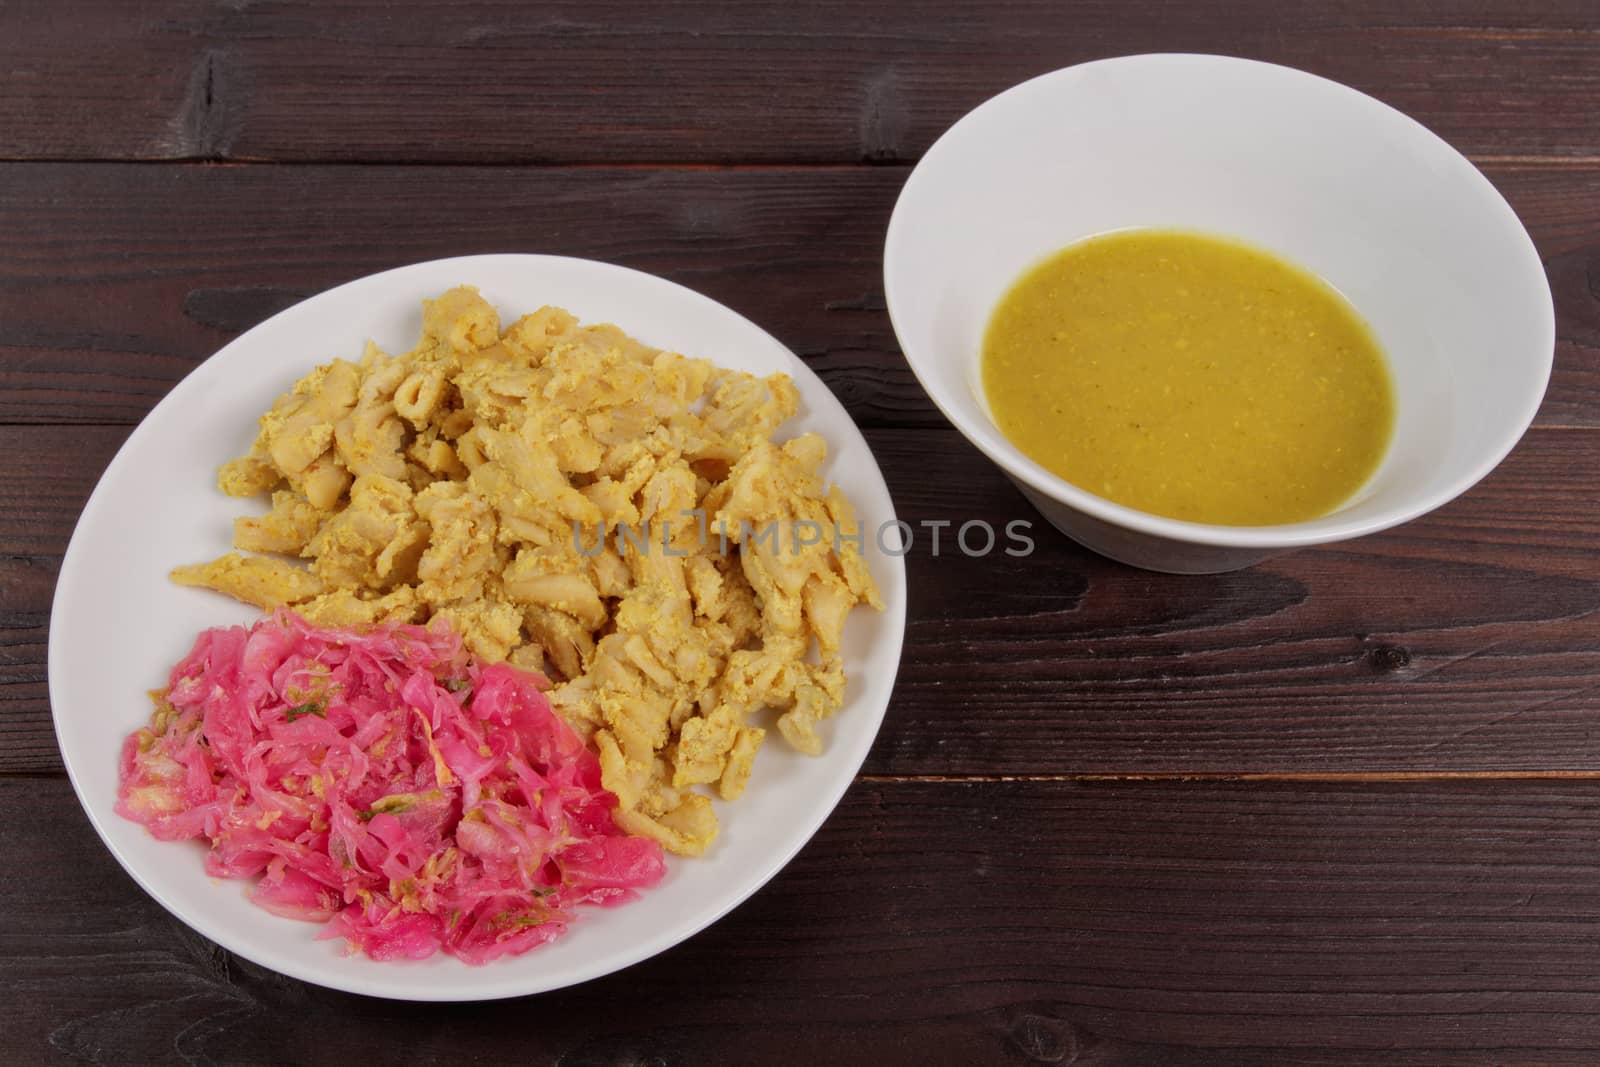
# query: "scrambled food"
385, 783
575, 503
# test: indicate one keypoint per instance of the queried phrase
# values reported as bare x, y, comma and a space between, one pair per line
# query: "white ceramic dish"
118, 624
1401, 223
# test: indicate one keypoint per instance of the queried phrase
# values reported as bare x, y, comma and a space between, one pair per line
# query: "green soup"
1189, 376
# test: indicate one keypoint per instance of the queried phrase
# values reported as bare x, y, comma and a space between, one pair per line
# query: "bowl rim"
1321, 530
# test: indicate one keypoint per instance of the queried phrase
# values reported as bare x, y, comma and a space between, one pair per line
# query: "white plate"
118, 625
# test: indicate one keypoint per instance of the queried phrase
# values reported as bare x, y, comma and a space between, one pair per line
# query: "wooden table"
1343, 806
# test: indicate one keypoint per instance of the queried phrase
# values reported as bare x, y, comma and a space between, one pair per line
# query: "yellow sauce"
1189, 376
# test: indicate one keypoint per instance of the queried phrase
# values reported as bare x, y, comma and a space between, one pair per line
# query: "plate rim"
209, 369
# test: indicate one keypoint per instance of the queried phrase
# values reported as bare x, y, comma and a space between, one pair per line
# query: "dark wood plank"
117, 280
1466, 641
403, 80
1091, 923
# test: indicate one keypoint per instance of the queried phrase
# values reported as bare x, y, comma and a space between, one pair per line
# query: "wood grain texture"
1007, 923
978, 897
407, 80
117, 280
1467, 640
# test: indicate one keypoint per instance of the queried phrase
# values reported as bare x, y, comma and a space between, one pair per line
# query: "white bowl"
1419, 241
118, 624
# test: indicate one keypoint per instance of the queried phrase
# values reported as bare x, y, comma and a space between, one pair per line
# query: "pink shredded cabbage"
385, 783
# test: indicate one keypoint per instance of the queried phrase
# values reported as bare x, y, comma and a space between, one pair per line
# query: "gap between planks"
530, 164
1527, 161
1230, 776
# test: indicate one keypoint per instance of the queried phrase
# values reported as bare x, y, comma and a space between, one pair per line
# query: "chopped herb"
398, 803
456, 685
507, 920
394, 803
310, 707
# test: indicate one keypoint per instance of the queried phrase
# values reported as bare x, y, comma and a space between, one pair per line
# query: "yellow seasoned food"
614, 516
1190, 376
